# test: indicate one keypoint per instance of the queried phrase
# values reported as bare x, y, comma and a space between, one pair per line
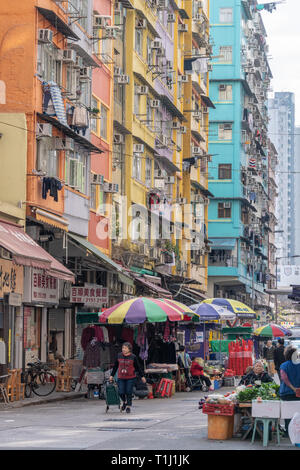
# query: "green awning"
107, 262
223, 243
217, 347
87, 317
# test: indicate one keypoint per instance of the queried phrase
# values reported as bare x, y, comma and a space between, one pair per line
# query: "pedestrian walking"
290, 378
269, 351
127, 365
184, 362
279, 355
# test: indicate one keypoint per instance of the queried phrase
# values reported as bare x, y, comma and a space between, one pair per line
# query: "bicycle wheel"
44, 383
28, 383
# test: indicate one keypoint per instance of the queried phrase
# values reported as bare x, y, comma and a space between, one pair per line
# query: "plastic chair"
266, 423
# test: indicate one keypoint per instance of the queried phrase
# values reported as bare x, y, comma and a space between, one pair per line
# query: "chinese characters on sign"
11, 278
89, 295
44, 287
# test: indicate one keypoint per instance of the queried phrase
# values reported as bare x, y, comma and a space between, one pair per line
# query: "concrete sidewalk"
35, 400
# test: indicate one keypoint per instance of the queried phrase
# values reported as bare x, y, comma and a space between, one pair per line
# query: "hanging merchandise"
87, 335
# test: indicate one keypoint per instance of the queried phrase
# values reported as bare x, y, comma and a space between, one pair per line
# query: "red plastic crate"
221, 410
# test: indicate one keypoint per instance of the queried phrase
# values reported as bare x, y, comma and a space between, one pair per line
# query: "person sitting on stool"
197, 371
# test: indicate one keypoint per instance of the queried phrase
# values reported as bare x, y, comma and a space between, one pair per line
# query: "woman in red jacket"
197, 371
127, 366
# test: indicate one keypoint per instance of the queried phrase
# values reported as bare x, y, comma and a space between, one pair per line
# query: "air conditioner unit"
43, 130
142, 90
69, 56
100, 21
197, 150
138, 148
143, 250
198, 198
162, 4
197, 115
227, 205
78, 62
45, 36
183, 129
141, 23
205, 110
63, 144
183, 78
123, 79
170, 180
118, 139
117, 72
169, 65
198, 17
222, 87
154, 103
176, 125
183, 28
111, 32
97, 179
157, 44
171, 18
84, 73
159, 183
161, 52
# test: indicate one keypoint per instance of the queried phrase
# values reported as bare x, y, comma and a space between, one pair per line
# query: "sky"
283, 37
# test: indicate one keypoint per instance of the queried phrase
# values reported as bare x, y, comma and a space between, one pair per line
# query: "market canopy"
26, 252
141, 309
232, 305
212, 312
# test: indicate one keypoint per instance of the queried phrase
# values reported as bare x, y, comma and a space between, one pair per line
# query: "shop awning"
26, 252
223, 243
58, 23
51, 219
87, 317
107, 262
163, 293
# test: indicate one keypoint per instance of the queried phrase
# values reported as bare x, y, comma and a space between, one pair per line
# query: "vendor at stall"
197, 371
257, 376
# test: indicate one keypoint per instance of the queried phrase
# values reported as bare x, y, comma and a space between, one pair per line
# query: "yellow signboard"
11, 278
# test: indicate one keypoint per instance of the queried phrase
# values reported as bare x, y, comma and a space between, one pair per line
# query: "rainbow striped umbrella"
272, 331
232, 305
141, 309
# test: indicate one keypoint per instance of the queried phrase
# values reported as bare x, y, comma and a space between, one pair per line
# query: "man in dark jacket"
279, 355
269, 350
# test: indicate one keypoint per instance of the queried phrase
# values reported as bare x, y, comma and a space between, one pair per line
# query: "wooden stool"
266, 422
20, 387
64, 378
11, 389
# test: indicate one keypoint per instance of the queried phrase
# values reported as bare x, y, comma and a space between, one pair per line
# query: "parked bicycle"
38, 379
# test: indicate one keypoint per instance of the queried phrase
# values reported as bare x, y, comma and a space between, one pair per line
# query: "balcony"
226, 261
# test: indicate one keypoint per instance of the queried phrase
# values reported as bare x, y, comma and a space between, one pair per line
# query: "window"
224, 210
137, 166
225, 171
47, 158
148, 172
76, 170
94, 122
49, 66
139, 41
85, 92
225, 92
103, 130
226, 54
93, 200
226, 15
79, 9
149, 51
225, 131
136, 106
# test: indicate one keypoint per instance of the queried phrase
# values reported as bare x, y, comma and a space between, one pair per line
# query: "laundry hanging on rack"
53, 185
80, 120
52, 93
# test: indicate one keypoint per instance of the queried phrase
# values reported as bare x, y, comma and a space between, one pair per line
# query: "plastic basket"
215, 409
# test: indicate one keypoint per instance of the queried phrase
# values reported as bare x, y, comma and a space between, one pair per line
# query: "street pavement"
68, 421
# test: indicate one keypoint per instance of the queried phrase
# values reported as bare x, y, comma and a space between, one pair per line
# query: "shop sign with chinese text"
11, 278
44, 288
91, 295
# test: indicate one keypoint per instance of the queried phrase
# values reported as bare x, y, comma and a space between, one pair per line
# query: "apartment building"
240, 211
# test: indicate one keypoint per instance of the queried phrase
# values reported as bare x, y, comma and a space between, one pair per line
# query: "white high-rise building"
281, 131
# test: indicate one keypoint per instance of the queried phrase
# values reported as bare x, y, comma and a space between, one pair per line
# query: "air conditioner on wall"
183, 78
183, 28
43, 130
97, 179
157, 44
45, 36
170, 179
183, 129
171, 18
69, 56
117, 71
123, 79
154, 103
138, 148
118, 139
176, 125
100, 21
142, 90
141, 23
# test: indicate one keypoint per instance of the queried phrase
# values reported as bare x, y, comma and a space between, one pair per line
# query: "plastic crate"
228, 381
215, 409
